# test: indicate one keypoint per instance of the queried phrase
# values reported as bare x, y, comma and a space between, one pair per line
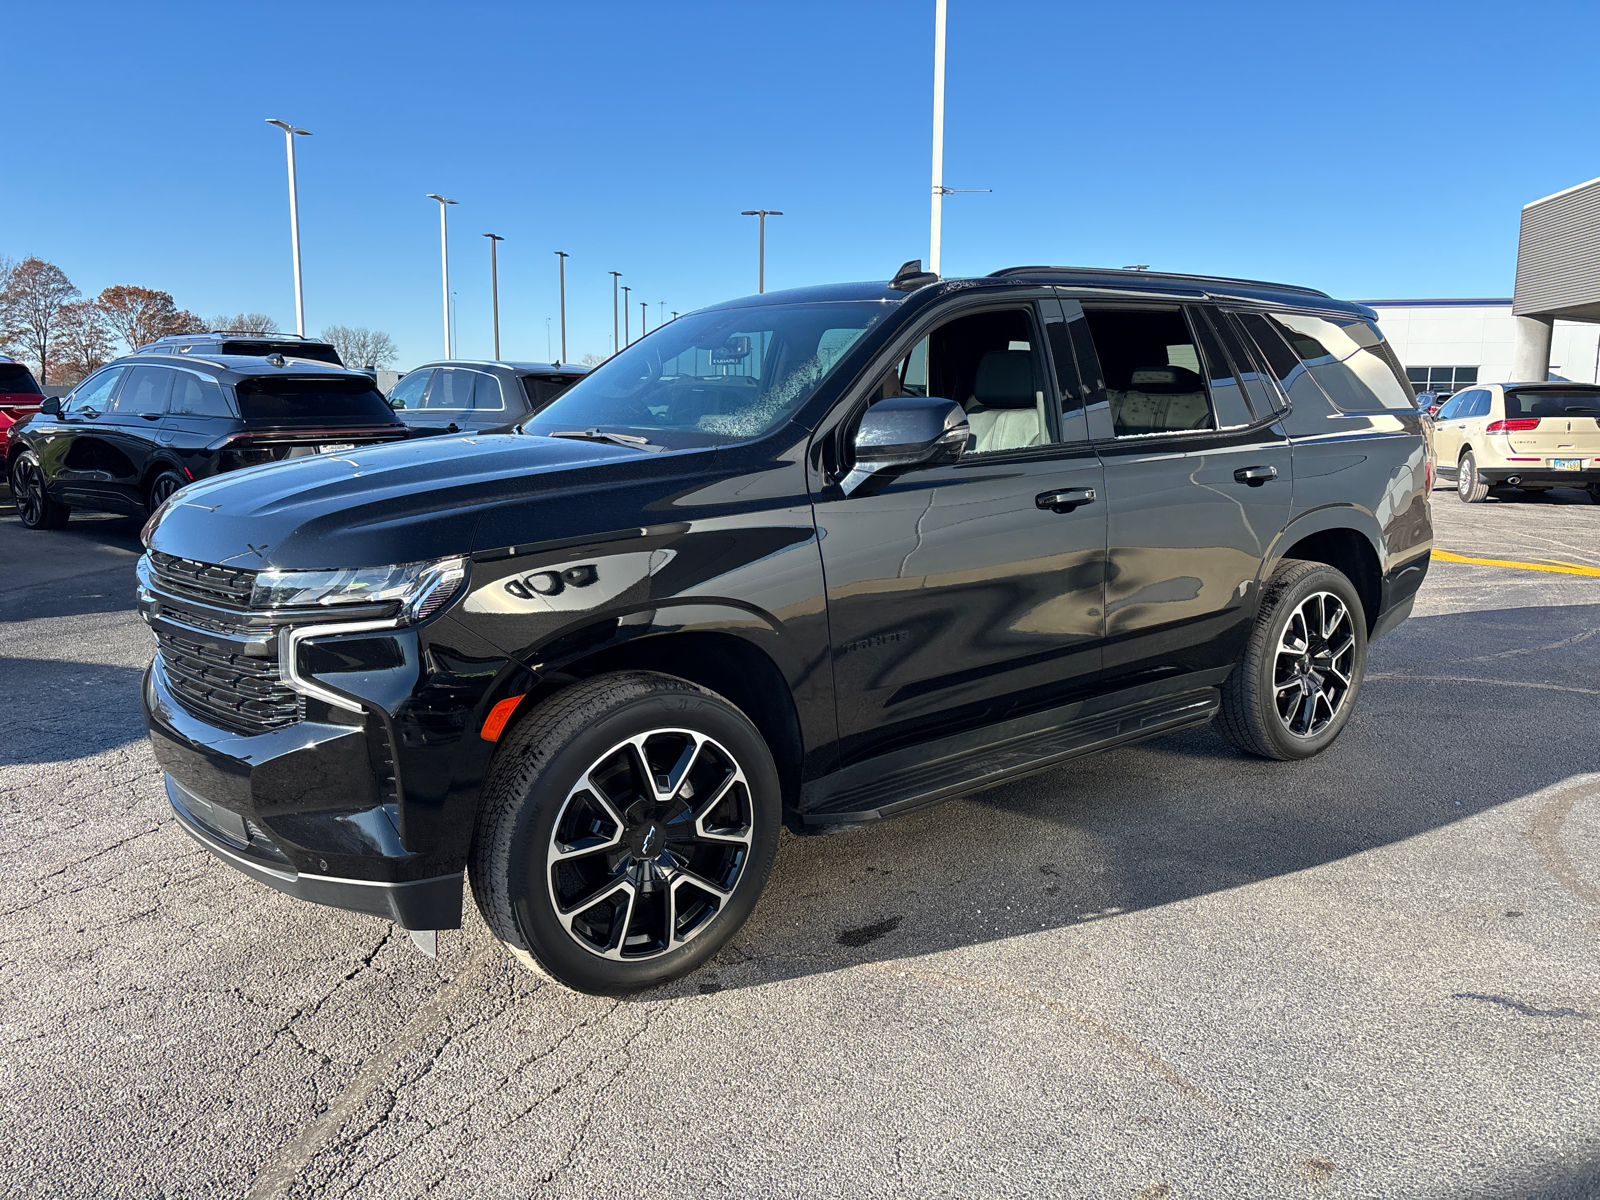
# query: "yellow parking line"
1560, 569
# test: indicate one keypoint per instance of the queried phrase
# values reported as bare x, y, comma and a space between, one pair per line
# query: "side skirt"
910, 779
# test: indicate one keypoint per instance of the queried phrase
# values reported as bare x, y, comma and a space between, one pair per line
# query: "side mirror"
397, 405
51, 406
904, 433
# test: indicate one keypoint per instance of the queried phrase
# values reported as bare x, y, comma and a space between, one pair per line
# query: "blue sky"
1372, 150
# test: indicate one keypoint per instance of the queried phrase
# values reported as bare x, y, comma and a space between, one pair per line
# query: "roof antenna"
911, 276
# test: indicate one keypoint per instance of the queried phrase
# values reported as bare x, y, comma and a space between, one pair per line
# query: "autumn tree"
359, 346
83, 342
140, 315
31, 299
250, 322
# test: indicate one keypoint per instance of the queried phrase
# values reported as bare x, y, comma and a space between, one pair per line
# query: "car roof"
542, 368
1547, 385
232, 367
235, 335
1124, 281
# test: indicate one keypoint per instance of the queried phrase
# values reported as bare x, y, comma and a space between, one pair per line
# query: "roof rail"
1112, 272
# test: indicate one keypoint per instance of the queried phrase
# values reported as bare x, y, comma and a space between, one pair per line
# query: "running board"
897, 783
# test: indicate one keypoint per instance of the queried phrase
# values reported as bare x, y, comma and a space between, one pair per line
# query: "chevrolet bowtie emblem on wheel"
648, 839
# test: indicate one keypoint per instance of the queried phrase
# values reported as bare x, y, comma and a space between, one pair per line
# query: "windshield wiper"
620, 439
1586, 412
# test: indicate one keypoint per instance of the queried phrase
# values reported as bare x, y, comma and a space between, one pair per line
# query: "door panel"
78, 461
130, 428
1191, 513
954, 598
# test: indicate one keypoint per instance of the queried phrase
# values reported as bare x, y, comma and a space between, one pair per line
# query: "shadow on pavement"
1186, 815
85, 568
61, 711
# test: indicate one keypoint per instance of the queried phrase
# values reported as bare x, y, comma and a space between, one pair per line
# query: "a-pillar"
1530, 360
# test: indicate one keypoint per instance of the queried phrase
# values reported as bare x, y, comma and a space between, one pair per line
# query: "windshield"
1583, 402
332, 398
713, 377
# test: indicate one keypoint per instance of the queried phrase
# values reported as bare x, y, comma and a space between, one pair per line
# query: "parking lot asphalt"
1169, 971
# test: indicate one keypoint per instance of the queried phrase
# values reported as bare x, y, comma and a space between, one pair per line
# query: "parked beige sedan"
1532, 436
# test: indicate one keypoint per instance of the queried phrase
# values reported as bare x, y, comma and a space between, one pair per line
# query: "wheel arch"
1333, 537
734, 667
155, 467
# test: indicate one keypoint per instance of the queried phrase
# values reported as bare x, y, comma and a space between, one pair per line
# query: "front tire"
1470, 487
35, 508
627, 827
1292, 692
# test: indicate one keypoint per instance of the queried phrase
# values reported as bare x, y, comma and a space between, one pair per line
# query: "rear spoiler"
321, 433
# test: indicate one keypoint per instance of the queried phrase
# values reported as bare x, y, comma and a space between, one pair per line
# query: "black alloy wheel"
627, 827
35, 508
162, 486
1292, 691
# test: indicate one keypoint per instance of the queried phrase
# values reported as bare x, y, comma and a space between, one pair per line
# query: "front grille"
238, 692
202, 581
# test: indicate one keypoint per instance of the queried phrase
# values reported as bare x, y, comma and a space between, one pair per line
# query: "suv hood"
392, 503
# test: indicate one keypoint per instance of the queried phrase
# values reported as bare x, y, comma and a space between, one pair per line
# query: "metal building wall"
1558, 256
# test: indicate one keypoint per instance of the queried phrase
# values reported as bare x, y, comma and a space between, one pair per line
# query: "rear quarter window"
304, 399
541, 389
17, 380
1350, 360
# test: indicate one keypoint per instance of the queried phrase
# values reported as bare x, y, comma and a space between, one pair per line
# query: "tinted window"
1152, 371
1227, 396
1350, 360
408, 392
17, 379
1264, 397
145, 392
317, 352
1480, 404
312, 398
451, 388
1542, 403
94, 393
541, 389
1451, 409
195, 396
713, 377
486, 393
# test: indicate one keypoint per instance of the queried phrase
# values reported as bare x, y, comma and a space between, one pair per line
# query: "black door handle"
1065, 500
1255, 476
152, 416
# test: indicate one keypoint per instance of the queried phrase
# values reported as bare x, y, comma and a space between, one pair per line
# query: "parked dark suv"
816, 557
136, 431
462, 396
244, 344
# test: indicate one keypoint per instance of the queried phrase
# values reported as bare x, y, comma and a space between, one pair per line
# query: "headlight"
421, 589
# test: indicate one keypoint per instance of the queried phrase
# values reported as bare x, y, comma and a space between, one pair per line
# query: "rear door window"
1152, 370
197, 396
1265, 399
1227, 393
451, 389
312, 399
1478, 406
145, 393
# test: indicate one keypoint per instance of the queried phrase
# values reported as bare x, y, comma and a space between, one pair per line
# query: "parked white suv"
1533, 436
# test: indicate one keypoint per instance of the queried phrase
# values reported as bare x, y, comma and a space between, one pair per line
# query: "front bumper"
300, 809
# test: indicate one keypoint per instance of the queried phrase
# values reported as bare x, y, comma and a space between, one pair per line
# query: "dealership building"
1549, 327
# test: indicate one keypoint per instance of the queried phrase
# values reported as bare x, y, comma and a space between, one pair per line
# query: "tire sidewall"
1467, 476
1321, 579
531, 906
21, 463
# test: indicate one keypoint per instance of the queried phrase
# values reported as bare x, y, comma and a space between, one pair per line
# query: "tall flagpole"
938, 136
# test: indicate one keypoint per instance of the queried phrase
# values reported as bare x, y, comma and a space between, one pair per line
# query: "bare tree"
359, 346
250, 322
593, 360
83, 342
30, 306
141, 315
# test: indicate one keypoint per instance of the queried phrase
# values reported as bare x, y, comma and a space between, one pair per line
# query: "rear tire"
162, 486
1594, 492
626, 829
35, 508
1292, 692
1470, 488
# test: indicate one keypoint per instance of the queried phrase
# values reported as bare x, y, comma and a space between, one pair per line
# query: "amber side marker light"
495, 724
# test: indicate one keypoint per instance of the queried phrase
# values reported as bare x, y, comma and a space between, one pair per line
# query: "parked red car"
19, 393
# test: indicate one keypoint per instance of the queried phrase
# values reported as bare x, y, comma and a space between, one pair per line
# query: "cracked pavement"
1165, 972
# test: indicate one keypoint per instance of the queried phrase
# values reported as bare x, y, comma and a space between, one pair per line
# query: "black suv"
810, 557
136, 431
461, 396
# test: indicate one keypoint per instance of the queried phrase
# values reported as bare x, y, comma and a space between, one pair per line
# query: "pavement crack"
1544, 835
1526, 1010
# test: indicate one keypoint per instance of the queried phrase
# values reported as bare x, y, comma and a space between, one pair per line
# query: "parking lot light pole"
938, 137
644, 317
290, 132
494, 287
615, 345
561, 257
761, 254
627, 337
444, 264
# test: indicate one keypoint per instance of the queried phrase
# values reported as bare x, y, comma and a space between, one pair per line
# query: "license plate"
336, 448
1567, 464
